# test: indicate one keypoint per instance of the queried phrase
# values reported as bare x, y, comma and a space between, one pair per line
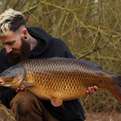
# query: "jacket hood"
43, 39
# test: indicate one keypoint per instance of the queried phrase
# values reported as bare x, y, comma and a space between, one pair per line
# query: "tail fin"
116, 87
117, 79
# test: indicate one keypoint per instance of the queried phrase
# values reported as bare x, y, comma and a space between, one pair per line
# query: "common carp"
59, 79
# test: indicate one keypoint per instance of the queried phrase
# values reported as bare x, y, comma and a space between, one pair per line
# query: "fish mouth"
6, 85
7, 81
2, 83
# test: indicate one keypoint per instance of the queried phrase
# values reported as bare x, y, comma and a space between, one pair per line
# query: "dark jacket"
47, 47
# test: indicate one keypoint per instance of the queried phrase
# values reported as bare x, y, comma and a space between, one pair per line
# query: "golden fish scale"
63, 79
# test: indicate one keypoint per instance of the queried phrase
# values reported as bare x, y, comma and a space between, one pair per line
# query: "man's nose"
8, 49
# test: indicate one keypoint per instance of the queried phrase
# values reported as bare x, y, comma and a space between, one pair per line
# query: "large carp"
59, 79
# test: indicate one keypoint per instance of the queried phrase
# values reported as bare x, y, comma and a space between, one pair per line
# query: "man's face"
16, 46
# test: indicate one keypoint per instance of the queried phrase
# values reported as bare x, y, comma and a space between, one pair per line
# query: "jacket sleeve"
3, 61
6, 93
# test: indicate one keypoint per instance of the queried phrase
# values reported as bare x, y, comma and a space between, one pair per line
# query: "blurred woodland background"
90, 28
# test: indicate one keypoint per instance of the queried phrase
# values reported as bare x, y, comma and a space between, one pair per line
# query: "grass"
109, 116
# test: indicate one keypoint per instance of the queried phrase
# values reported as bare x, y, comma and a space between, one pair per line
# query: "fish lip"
6, 85
2, 82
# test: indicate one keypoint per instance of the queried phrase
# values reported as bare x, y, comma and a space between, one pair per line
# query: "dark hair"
17, 21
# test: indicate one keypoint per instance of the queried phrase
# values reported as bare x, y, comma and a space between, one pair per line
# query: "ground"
6, 114
111, 116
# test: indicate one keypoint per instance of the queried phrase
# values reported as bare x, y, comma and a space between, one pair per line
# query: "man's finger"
92, 89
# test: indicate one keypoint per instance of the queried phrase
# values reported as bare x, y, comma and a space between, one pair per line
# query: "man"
20, 42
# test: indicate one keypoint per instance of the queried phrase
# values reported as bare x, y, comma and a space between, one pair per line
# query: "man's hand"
19, 89
92, 89
23, 86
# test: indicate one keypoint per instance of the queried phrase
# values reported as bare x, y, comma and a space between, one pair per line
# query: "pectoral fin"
26, 84
56, 102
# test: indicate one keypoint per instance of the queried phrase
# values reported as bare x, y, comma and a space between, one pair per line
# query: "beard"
15, 56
